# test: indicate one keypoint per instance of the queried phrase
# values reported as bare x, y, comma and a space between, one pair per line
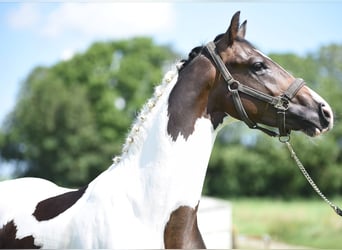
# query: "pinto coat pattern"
148, 198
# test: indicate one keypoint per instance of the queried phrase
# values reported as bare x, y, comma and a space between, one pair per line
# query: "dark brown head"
307, 111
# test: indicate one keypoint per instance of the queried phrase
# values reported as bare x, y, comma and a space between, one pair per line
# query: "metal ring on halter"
284, 138
233, 85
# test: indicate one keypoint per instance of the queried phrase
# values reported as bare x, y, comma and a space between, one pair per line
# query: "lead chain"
311, 182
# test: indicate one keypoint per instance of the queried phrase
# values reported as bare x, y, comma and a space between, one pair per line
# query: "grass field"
310, 223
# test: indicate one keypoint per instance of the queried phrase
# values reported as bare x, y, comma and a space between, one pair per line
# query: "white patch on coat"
129, 204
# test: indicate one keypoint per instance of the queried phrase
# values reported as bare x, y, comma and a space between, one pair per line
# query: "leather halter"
280, 103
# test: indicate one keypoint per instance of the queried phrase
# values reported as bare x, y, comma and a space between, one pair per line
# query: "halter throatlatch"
280, 103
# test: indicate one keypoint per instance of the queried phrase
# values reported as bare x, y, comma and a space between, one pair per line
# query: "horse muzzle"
314, 122
325, 114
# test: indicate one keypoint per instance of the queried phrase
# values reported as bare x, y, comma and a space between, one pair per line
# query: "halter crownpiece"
280, 103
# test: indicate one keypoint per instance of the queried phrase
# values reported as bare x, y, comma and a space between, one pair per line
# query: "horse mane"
137, 126
195, 52
133, 135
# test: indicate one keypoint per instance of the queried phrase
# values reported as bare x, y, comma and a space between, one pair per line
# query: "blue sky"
42, 33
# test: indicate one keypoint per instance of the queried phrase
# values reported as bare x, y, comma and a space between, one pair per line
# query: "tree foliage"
72, 117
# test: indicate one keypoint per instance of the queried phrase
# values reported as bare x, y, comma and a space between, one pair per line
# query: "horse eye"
258, 67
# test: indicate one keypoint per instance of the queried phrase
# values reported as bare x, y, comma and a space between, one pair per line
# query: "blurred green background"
71, 118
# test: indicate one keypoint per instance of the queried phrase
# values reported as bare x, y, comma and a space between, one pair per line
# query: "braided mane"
133, 135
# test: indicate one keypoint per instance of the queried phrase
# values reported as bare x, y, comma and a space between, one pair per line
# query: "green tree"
72, 117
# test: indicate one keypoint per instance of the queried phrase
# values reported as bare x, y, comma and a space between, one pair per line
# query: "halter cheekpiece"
280, 103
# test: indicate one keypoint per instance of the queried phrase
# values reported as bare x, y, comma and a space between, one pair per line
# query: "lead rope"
311, 182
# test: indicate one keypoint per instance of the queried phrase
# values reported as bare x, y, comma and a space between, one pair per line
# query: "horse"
149, 196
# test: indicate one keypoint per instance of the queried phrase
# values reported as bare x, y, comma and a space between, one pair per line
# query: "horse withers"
149, 196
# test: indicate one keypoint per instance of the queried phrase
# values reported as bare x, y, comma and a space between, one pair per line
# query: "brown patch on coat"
181, 231
52, 207
8, 238
189, 97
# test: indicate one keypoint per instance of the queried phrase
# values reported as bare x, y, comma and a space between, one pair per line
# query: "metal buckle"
282, 103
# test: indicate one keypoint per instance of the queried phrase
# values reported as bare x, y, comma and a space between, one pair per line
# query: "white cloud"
67, 54
26, 16
77, 24
95, 20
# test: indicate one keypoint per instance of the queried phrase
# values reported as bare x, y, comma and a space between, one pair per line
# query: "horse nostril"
325, 112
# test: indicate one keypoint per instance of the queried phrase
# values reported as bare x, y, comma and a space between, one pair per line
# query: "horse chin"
312, 132
311, 126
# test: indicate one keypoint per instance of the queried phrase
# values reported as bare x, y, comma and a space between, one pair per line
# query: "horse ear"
242, 29
233, 30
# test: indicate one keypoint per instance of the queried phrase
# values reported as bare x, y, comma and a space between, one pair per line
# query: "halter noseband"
280, 103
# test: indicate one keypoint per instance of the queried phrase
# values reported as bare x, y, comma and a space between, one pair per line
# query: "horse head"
251, 87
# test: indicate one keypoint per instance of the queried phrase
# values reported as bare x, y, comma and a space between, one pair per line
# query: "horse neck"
165, 172
178, 163
159, 172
